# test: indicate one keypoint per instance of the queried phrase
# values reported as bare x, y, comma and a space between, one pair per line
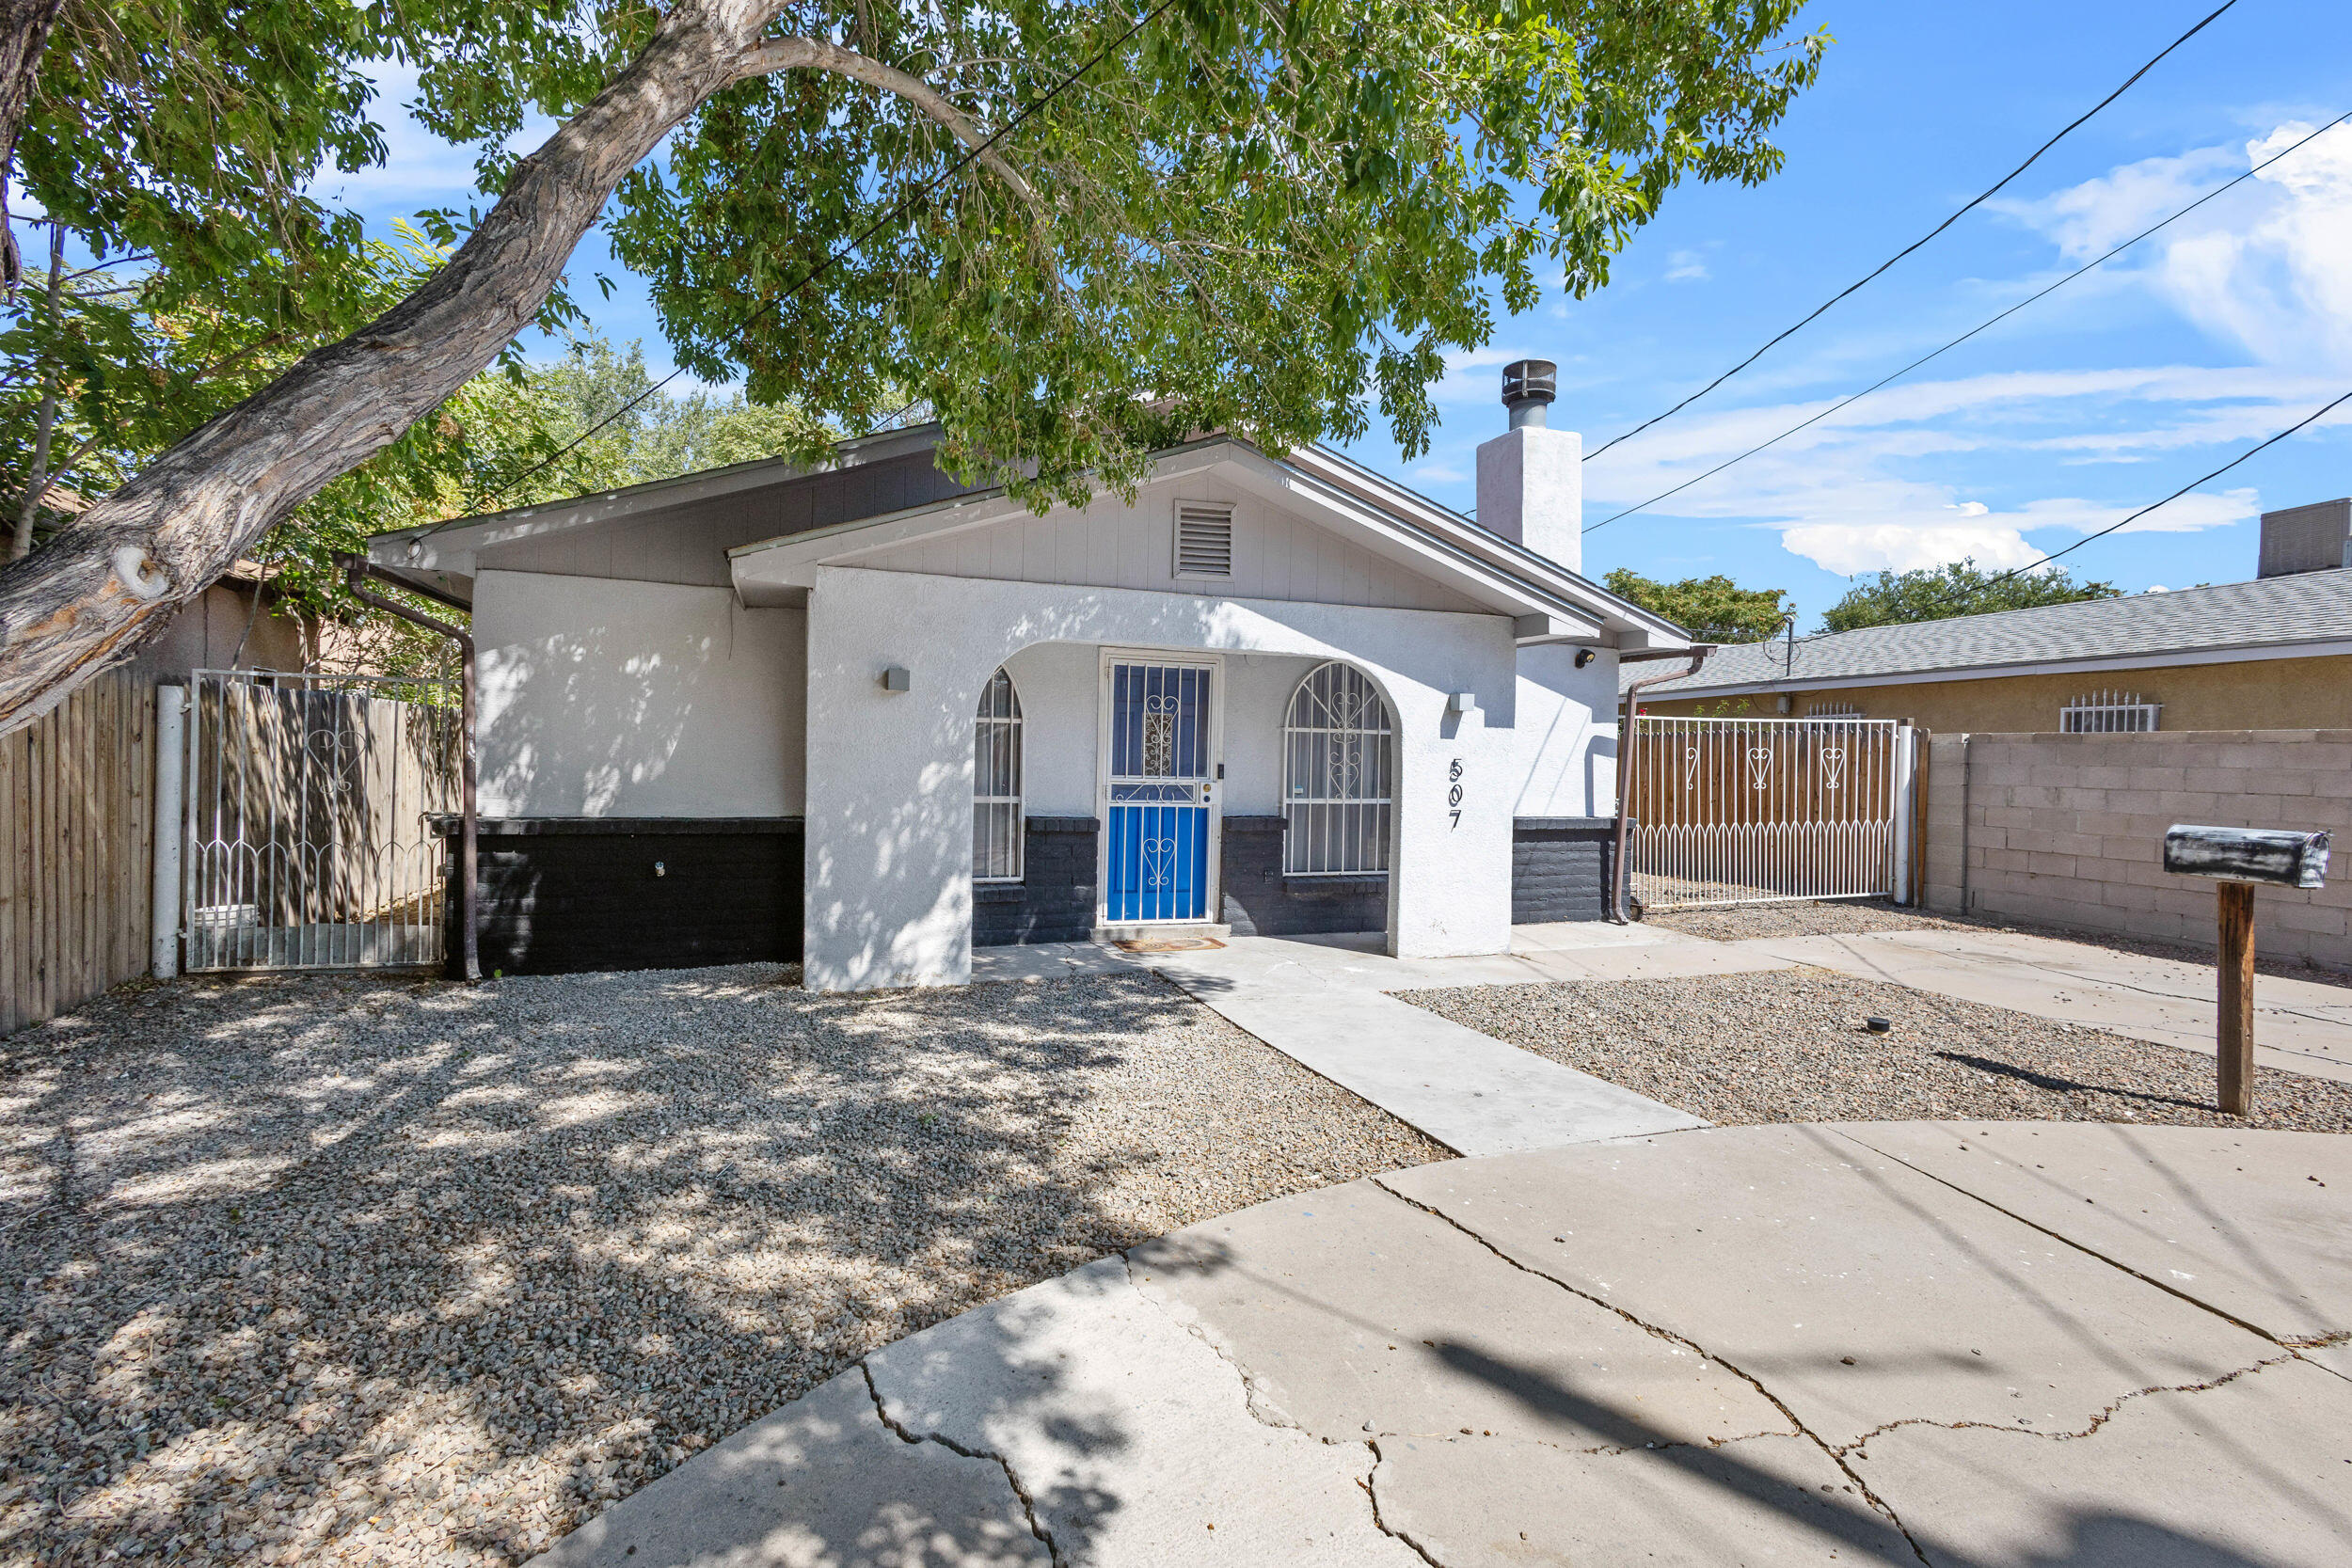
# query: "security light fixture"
1461, 702
894, 677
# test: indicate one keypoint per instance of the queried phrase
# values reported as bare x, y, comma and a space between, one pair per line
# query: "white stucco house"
867, 716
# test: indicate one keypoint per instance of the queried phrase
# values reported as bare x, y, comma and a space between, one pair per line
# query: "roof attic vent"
1204, 539
1528, 387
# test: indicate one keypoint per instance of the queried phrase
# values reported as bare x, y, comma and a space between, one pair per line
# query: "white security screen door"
1160, 783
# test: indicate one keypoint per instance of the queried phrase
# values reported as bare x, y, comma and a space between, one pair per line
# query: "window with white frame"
2109, 712
997, 783
1337, 760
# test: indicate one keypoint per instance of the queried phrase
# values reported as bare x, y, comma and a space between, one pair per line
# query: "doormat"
1167, 945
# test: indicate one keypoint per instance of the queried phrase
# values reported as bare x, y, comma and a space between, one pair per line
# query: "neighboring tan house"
2273, 653
868, 717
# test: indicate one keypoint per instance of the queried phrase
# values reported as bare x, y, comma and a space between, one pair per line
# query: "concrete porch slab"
1857, 1289
822, 1484
2257, 1227
2251, 1474
2301, 1026
2010, 1402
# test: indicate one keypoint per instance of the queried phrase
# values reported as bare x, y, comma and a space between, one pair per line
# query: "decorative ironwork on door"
1158, 828
1744, 811
307, 839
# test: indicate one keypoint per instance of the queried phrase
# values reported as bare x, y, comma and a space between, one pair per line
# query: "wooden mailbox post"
2239, 858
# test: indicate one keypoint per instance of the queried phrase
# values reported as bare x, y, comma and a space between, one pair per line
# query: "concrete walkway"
2301, 1026
1324, 1002
2017, 1345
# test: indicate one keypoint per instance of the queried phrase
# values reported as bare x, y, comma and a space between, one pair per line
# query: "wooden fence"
78, 838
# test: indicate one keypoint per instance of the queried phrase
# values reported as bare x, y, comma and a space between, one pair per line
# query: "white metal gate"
308, 843
1751, 811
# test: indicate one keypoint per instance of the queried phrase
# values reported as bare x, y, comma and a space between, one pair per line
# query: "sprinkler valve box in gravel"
865, 716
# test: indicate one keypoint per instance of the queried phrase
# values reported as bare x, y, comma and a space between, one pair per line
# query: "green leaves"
1939, 593
1270, 216
1711, 609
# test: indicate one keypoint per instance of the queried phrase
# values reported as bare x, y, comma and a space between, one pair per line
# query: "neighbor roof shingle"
2308, 607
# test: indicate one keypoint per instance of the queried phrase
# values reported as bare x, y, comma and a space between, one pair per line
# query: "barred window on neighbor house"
997, 783
1336, 770
2109, 712
1833, 710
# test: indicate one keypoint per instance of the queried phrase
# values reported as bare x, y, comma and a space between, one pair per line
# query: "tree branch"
113, 578
23, 32
799, 53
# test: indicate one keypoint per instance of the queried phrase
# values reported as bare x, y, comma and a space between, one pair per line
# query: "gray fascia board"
523, 522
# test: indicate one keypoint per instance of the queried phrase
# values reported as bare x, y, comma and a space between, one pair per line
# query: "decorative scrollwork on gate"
1832, 767
1760, 766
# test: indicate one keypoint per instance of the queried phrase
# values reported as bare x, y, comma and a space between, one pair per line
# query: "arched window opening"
1337, 759
997, 783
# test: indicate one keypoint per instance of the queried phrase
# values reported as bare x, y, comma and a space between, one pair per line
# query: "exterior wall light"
896, 678
1585, 656
1461, 702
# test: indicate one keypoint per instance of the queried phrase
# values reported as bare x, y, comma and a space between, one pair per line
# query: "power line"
1975, 202
900, 209
2311, 418
1973, 331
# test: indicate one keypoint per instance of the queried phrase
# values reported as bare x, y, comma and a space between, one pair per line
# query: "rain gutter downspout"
355, 569
1697, 654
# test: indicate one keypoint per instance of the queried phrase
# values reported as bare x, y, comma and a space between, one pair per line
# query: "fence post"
1906, 782
171, 764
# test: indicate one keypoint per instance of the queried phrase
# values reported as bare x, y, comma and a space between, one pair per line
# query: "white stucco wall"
1060, 696
606, 698
1564, 758
1258, 691
889, 825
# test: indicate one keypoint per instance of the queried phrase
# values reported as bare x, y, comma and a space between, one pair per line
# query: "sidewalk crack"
2098, 1420
1862, 1486
1372, 1493
1261, 1410
1012, 1477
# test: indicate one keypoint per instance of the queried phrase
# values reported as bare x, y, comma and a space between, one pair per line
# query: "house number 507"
1453, 796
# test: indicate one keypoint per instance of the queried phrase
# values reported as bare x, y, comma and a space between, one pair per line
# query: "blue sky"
2109, 394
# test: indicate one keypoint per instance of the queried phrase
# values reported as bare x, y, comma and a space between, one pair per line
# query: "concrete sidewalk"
2017, 1345
2301, 1026
1323, 1002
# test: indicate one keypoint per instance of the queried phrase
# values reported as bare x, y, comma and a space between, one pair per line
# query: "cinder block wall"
2068, 830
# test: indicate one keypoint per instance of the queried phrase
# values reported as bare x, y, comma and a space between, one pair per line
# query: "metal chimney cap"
1528, 384
1530, 381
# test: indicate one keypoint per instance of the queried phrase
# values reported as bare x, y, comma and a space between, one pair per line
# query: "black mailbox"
2280, 856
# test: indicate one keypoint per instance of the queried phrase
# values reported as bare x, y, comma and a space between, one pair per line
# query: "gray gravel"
1840, 917
325, 1270
1832, 917
1788, 1045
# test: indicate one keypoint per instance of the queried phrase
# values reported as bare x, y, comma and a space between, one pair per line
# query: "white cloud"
2261, 267
1879, 486
1686, 266
420, 169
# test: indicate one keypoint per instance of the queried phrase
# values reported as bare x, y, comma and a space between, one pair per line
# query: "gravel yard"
1831, 917
325, 1270
1838, 917
1788, 1045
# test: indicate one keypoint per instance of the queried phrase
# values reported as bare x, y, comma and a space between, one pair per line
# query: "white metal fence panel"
307, 842
1747, 811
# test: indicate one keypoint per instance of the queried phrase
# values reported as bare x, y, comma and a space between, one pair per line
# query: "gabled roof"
2270, 617
1545, 600
767, 526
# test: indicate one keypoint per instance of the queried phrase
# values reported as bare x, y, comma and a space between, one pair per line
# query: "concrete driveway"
2025, 1343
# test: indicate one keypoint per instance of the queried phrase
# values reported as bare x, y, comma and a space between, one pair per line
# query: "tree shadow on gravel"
313, 1268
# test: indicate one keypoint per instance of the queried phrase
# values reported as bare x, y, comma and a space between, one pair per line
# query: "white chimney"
1531, 480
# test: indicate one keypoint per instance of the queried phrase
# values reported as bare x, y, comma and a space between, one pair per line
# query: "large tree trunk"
23, 32
99, 589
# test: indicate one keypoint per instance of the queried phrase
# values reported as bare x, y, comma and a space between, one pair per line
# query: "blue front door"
1160, 791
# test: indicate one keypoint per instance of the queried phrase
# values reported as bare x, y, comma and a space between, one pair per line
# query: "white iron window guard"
997, 783
2109, 712
1338, 748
